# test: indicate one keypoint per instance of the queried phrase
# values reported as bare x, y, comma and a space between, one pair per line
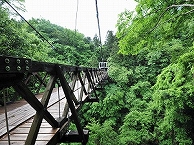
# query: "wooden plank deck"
21, 115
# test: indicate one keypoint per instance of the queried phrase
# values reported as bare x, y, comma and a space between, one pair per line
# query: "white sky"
63, 13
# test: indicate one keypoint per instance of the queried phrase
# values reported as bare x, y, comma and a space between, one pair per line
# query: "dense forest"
54, 44
149, 99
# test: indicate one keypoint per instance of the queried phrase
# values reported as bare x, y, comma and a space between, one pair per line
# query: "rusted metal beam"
68, 93
72, 87
73, 136
42, 81
91, 82
82, 83
31, 138
14, 65
23, 90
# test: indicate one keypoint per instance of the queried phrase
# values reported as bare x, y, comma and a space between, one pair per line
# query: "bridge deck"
21, 114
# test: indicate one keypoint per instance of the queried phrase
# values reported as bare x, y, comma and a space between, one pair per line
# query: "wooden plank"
40, 142
16, 137
16, 117
12, 142
45, 137
28, 125
43, 130
14, 121
3, 130
23, 142
22, 137
31, 120
14, 113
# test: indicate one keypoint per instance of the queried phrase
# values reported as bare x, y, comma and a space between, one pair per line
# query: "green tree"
153, 20
70, 47
154, 38
109, 46
102, 134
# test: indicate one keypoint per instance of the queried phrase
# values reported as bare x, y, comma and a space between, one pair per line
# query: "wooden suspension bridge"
43, 118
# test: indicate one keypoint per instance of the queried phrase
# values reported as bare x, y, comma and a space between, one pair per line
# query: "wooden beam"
12, 65
91, 76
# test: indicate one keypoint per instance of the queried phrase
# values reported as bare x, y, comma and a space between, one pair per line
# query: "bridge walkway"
44, 118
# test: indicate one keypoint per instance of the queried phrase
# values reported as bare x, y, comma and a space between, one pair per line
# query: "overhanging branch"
172, 6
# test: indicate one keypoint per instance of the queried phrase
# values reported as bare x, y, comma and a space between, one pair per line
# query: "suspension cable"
6, 117
76, 16
98, 21
30, 25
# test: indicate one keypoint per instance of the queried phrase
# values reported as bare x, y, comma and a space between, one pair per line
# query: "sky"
63, 13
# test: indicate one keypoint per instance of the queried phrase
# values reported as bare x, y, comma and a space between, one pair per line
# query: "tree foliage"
150, 98
69, 47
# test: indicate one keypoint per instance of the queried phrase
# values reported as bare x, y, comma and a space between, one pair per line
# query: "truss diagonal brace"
33, 133
82, 83
23, 90
68, 94
91, 82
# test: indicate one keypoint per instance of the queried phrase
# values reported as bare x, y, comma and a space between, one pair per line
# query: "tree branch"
176, 17
160, 17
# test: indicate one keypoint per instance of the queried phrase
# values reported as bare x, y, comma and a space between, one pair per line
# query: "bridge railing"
77, 84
